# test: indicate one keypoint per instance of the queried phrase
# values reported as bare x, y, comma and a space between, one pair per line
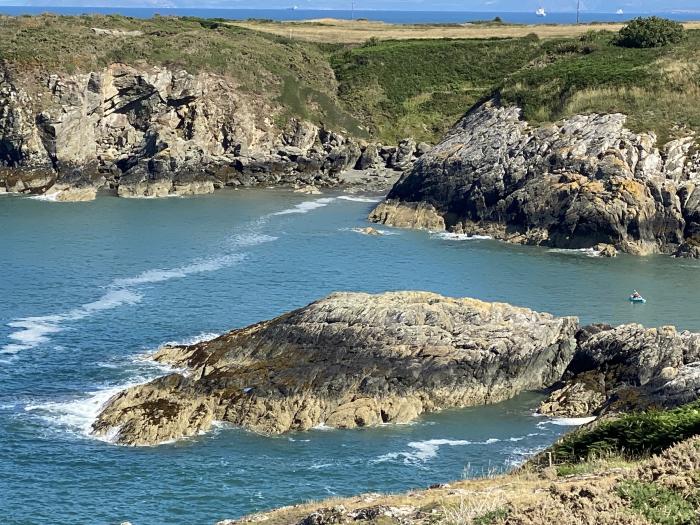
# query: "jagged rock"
574, 184
369, 159
145, 126
349, 360
417, 215
605, 250
402, 157
628, 368
370, 231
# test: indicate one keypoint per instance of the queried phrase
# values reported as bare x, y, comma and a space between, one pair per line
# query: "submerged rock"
349, 360
580, 182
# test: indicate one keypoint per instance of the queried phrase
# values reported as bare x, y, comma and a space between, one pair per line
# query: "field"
329, 30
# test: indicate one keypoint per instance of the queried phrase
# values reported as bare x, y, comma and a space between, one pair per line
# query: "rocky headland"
354, 360
157, 131
350, 360
582, 182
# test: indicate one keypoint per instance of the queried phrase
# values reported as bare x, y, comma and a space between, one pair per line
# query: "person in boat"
636, 295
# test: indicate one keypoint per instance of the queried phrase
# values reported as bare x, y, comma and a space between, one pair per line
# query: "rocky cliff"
577, 183
349, 360
155, 131
628, 367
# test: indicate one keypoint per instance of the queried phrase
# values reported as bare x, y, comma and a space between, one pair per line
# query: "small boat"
541, 12
620, 12
638, 299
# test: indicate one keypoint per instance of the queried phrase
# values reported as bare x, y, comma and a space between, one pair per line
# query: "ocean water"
394, 16
88, 289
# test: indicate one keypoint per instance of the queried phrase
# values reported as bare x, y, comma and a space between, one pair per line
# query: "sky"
598, 6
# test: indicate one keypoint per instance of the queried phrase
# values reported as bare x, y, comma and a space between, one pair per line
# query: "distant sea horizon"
395, 17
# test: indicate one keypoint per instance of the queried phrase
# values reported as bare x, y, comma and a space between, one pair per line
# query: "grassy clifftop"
388, 89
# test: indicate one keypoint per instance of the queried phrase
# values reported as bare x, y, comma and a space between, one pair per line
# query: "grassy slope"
259, 62
419, 88
394, 88
618, 483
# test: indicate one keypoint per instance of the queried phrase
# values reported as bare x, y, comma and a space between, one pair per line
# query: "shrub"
650, 32
658, 504
632, 435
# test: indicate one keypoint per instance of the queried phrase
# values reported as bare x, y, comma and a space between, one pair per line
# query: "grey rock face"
580, 182
346, 361
154, 131
628, 368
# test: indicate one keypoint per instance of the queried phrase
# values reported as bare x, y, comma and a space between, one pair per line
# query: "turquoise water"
87, 289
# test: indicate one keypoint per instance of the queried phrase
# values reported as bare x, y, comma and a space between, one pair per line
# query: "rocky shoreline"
156, 132
583, 182
355, 360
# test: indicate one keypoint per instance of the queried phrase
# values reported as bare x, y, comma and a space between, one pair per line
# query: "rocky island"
354, 360
350, 360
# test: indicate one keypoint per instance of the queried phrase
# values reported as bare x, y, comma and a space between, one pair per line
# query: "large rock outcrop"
156, 131
574, 184
347, 361
628, 367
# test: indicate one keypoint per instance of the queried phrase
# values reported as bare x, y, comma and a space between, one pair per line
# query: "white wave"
51, 197
252, 239
36, 330
363, 232
423, 451
193, 340
160, 275
448, 236
360, 198
572, 421
307, 206
78, 415
588, 252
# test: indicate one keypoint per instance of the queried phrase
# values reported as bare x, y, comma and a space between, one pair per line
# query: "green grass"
657, 503
260, 63
420, 88
386, 89
658, 88
631, 436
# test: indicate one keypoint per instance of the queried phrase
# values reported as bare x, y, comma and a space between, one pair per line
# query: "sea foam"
360, 198
306, 206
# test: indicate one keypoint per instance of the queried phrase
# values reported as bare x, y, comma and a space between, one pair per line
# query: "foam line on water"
34, 331
360, 198
422, 451
588, 252
306, 206
77, 415
449, 236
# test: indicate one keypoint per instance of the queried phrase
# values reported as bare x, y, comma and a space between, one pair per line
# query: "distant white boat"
620, 12
541, 12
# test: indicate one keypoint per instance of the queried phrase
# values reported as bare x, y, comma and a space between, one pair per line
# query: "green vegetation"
650, 32
259, 62
391, 89
632, 436
420, 88
658, 88
658, 504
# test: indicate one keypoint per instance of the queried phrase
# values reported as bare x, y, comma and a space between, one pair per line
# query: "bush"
658, 504
650, 32
633, 435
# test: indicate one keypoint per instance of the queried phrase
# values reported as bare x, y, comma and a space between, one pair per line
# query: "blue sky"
636, 6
